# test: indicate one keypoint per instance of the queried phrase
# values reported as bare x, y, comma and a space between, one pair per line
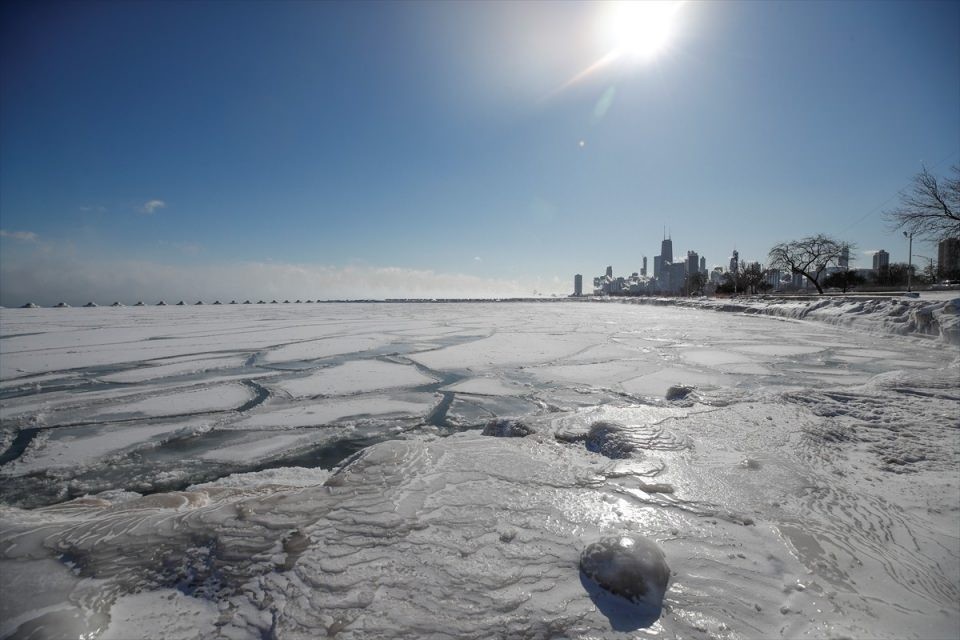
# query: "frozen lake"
320, 470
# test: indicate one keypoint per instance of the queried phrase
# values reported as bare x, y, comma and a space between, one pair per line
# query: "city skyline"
225, 150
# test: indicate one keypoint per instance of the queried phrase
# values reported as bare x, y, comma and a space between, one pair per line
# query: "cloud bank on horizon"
49, 278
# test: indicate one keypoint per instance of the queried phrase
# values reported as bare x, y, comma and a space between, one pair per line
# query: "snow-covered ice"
481, 470
354, 377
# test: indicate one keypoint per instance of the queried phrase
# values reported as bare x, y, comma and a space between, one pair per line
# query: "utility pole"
909, 261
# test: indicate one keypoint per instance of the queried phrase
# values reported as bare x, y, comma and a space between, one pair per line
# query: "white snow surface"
934, 314
805, 481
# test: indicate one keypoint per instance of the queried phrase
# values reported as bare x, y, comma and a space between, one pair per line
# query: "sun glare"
632, 31
638, 30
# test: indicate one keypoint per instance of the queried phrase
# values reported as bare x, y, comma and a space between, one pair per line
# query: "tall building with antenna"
666, 250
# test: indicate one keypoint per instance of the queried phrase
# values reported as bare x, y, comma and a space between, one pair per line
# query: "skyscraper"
666, 250
693, 262
948, 258
609, 272
578, 285
703, 265
735, 262
643, 270
881, 260
844, 261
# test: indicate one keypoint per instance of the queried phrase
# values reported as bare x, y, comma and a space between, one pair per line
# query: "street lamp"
909, 261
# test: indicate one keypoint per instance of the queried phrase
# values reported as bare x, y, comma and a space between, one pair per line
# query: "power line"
895, 195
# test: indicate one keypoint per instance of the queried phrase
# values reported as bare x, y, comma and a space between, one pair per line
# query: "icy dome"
629, 566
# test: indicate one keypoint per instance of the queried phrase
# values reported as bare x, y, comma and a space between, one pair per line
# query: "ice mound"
678, 392
629, 566
507, 428
609, 439
281, 476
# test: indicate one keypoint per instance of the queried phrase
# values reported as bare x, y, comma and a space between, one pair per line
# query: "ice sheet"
152, 372
328, 411
212, 398
487, 387
355, 377
804, 487
504, 349
77, 447
314, 349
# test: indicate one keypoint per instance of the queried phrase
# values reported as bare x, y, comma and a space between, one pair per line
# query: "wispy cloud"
186, 248
477, 259
151, 206
23, 236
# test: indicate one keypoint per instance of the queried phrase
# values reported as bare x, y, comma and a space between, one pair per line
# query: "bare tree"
752, 277
809, 257
696, 281
930, 209
894, 275
844, 280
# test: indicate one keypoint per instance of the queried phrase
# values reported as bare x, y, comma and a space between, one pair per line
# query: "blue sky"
305, 149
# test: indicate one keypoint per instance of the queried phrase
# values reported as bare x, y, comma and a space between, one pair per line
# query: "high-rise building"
678, 276
773, 278
657, 267
735, 262
844, 261
578, 285
881, 260
666, 250
703, 265
643, 270
609, 272
693, 262
948, 258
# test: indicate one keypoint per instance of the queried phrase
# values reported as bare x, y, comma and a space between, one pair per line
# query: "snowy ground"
316, 471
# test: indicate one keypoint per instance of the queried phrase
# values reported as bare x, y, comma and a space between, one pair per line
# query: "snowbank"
937, 318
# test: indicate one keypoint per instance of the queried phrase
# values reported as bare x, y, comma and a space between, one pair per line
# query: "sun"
632, 31
639, 30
